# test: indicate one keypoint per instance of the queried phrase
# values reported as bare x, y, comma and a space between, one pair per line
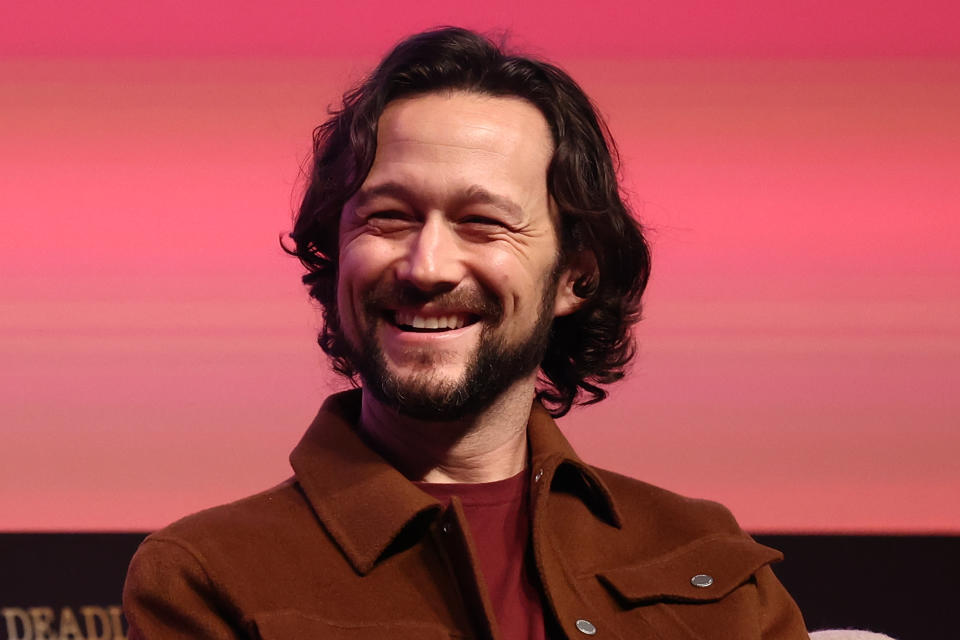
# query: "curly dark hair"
588, 348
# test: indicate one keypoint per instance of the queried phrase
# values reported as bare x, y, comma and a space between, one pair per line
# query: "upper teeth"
453, 321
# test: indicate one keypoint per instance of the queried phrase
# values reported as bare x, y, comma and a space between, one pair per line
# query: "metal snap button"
586, 627
701, 580
539, 474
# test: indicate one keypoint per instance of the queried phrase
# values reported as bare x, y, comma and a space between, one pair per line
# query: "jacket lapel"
362, 501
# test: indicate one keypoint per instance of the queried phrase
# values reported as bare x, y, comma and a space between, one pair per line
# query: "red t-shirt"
498, 514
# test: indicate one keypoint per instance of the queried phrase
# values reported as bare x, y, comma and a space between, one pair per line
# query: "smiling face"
448, 274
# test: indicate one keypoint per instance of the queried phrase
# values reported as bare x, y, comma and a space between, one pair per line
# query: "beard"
493, 367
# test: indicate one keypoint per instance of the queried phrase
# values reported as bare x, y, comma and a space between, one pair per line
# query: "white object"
847, 634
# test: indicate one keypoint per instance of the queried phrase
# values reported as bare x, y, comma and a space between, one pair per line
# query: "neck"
484, 447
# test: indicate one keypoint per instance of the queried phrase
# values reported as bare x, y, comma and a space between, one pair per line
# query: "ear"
577, 282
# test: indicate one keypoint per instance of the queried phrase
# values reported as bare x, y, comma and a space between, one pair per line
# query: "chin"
431, 400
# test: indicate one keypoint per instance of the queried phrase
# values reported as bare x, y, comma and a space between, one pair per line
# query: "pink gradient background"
798, 166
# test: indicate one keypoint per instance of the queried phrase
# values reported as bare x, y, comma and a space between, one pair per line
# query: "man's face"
448, 275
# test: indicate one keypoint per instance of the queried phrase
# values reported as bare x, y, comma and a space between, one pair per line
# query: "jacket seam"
213, 585
366, 625
198, 557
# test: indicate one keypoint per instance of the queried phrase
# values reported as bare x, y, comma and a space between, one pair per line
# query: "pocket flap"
702, 571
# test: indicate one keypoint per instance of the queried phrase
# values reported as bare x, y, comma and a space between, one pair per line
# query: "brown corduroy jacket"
350, 549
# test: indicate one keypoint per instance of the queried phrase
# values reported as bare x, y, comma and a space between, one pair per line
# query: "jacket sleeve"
169, 594
780, 618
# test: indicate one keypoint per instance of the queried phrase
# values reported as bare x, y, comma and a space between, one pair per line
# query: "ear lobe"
577, 282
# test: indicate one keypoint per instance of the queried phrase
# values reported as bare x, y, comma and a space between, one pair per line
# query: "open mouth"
419, 323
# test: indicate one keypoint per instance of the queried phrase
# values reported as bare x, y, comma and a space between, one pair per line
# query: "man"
478, 272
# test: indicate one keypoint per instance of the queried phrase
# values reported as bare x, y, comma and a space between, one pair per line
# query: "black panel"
55, 577
907, 587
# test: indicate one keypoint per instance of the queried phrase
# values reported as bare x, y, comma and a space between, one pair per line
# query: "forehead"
469, 118
449, 136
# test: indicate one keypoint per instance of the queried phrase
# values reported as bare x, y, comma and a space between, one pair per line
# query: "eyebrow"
474, 194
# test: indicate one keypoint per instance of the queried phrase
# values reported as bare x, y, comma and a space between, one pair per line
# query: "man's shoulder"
664, 547
656, 538
218, 567
643, 504
252, 522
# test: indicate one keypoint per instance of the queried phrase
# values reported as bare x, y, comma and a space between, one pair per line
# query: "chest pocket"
295, 625
701, 591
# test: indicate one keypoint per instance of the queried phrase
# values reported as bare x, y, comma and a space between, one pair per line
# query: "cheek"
498, 271
499, 268
516, 281
353, 277
345, 309
360, 261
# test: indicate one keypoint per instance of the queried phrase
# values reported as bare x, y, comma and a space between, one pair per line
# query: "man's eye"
388, 221
389, 218
387, 214
482, 221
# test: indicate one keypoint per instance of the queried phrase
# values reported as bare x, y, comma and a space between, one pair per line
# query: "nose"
434, 261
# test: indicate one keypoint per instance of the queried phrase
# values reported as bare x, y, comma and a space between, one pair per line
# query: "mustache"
393, 295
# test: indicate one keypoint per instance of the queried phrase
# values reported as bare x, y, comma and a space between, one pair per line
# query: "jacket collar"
550, 452
364, 503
